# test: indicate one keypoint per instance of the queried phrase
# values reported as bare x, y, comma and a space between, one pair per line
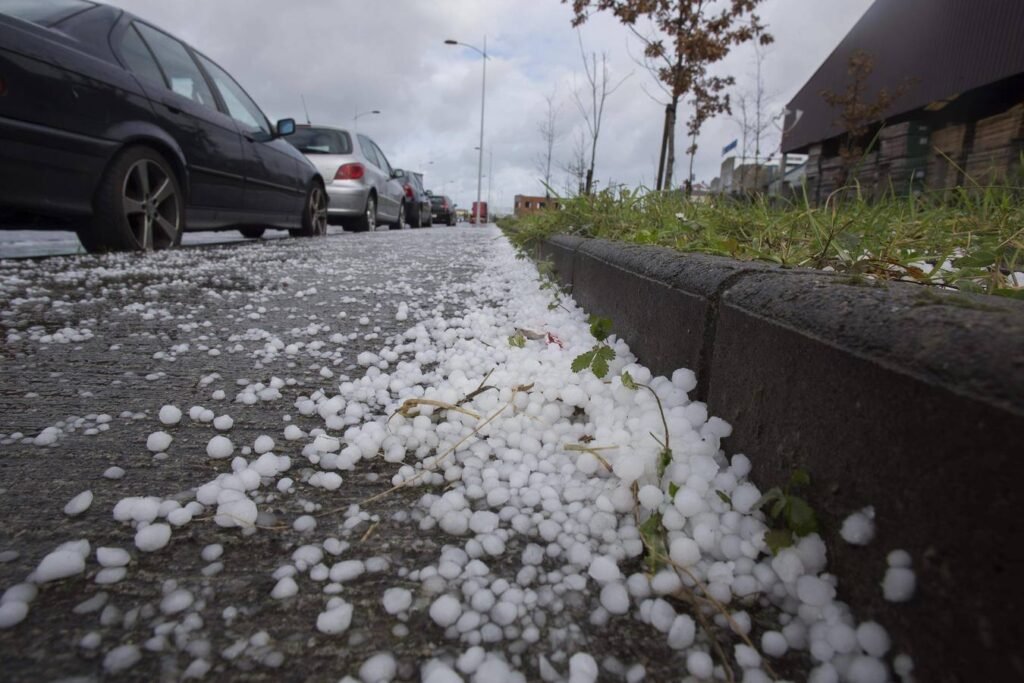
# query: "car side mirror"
397, 173
285, 127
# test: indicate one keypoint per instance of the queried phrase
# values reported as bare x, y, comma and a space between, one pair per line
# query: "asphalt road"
141, 331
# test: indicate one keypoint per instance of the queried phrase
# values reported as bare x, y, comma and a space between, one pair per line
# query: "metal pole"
490, 175
480, 157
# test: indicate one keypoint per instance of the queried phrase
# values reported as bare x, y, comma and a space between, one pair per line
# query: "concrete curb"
906, 398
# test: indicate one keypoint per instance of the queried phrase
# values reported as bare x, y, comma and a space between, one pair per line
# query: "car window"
43, 13
182, 73
367, 146
436, 201
139, 59
321, 141
384, 165
240, 107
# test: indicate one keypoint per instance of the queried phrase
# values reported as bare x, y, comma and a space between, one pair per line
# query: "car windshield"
321, 141
436, 201
43, 13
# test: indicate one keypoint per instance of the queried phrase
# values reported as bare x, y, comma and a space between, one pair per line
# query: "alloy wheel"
151, 206
318, 211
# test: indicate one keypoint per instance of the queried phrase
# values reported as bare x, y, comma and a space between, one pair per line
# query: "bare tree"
576, 167
548, 129
754, 117
591, 104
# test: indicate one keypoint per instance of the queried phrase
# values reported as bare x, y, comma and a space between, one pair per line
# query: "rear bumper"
346, 200
48, 171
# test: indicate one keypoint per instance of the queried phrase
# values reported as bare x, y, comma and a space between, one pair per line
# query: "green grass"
979, 231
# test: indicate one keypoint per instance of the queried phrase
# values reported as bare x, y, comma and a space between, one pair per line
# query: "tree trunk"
671, 161
669, 108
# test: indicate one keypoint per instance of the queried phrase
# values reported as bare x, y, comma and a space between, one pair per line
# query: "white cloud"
389, 55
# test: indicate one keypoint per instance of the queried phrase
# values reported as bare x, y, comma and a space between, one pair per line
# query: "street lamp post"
355, 119
483, 98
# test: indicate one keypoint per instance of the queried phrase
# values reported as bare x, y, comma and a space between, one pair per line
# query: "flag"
730, 147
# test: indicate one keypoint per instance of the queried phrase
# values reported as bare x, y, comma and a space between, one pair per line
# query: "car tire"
368, 221
416, 219
400, 221
314, 213
252, 233
138, 205
430, 220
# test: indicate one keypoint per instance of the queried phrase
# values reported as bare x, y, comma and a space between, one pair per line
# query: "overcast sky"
357, 55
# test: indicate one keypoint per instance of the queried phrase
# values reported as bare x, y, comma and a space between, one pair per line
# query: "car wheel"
314, 213
252, 233
139, 205
430, 219
416, 220
368, 221
400, 221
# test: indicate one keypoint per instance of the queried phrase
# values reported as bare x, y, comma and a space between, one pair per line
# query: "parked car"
134, 136
443, 209
363, 188
417, 201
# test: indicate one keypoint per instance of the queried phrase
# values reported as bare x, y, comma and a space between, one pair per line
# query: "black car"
417, 201
132, 136
443, 209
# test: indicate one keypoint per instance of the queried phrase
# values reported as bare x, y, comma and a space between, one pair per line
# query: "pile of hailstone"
514, 478
545, 473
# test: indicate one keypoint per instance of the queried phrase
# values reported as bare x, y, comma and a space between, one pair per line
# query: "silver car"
363, 189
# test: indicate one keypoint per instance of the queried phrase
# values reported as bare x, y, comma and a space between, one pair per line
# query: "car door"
273, 183
394, 190
378, 177
187, 109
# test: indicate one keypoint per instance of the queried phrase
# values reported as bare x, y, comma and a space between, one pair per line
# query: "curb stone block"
907, 398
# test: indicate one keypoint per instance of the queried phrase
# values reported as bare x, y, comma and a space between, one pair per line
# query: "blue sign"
730, 147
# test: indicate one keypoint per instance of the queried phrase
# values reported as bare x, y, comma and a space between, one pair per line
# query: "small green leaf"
603, 355
664, 460
799, 478
724, 497
800, 517
517, 340
600, 327
768, 496
980, 258
628, 381
582, 361
673, 488
777, 539
654, 543
778, 507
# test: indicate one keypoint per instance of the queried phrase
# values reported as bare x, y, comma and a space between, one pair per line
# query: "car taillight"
408, 190
350, 172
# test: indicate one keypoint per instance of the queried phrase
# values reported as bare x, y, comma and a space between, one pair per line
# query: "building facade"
526, 204
957, 119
